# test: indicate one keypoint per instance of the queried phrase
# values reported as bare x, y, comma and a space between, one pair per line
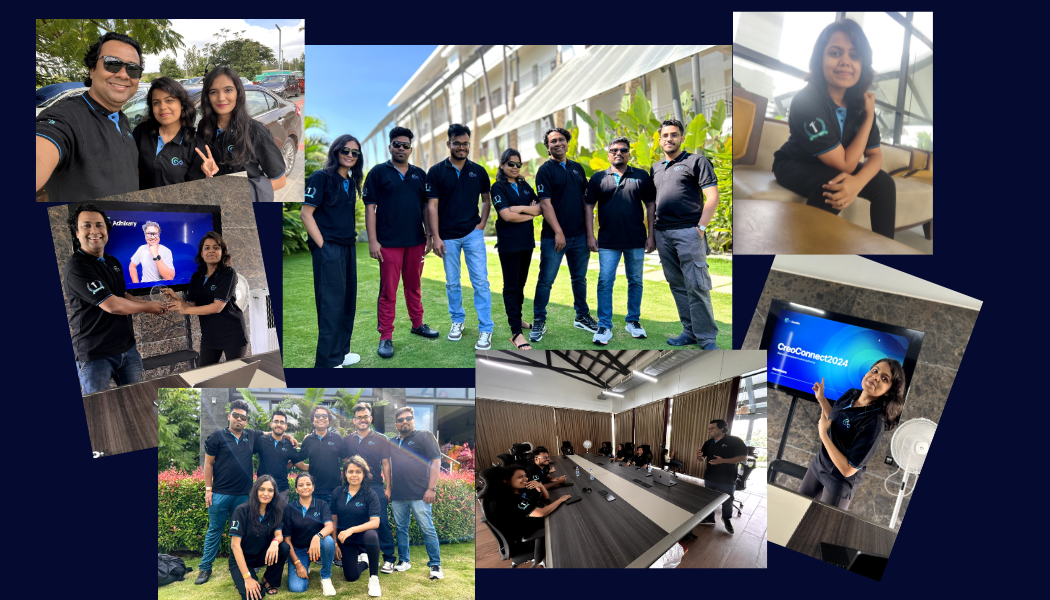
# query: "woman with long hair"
355, 511
519, 508
238, 142
211, 297
256, 540
850, 431
308, 529
516, 207
328, 215
167, 139
832, 123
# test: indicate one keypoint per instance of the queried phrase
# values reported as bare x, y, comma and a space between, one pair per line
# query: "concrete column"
396, 399
213, 413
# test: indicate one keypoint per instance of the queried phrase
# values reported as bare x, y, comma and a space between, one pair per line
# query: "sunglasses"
239, 416
512, 164
403, 419
325, 417
401, 145
350, 151
114, 65
619, 150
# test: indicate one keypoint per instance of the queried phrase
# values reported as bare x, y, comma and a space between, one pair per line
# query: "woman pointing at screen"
850, 431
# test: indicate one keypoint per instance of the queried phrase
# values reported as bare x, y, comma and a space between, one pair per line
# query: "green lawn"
659, 315
457, 563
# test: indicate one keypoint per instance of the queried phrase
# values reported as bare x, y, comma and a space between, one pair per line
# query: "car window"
256, 103
135, 109
270, 102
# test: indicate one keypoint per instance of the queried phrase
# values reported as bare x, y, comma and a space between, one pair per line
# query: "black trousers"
807, 179
515, 266
368, 541
335, 293
812, 487
210, 356
273, 572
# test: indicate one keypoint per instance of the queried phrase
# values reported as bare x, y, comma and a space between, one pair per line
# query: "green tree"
178, 428
62, 43
245, 56
169, 67
316, 145
194, 62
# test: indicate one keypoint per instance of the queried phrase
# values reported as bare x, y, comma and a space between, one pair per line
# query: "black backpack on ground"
170, 569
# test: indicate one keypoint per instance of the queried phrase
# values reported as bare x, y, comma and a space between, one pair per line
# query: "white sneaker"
455, 333
351, 359
484, 341
635, 329
388, 568
602, 336
402, 566
373, 586
327, 588
362, 558
435, 572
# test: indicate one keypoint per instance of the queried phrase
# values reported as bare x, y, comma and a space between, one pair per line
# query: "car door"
268, 110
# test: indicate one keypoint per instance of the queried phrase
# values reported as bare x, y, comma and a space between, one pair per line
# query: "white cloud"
198, 32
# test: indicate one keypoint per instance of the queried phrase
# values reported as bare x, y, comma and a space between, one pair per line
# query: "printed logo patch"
117, 269
176, 161
95, 287
310, 191
846, 422
498, 198
539, 189
51, 121
410, 443
473, 174
213, 288
331, 443
371, 443
428, 187
414, 176
234, 525
358, 504
815, 131
679, 167
524, 504
229, 148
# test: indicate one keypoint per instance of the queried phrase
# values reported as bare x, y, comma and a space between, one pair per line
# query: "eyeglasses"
350, 151
321, 416
151, 234
516, 165
460, 145
619, 150
239, 416
672, 136
114, 65
280, 422
403, 419
401, 145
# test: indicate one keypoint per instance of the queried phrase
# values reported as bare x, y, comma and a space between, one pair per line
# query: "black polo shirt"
511, 510
643, 459
727, 447
399, 204
410, 464
324, 455
98, 156
302, 524
679, 201
177, 161
256, 531
333, 199
351, 511
224, 329
232, 470
621, 206
818, 125
537, 473
373, 448
457, 193
88, 281
856, 432
566, 185
513, 237
273, 459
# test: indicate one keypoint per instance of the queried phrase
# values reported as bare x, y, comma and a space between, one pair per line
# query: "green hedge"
182, 518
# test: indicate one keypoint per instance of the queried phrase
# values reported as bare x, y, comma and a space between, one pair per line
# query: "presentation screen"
804, 345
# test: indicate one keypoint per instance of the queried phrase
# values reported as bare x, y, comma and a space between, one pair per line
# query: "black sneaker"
586, 323
538, 329
729, 526
708, 520
425, 331
386, 348
337, 563
202, 577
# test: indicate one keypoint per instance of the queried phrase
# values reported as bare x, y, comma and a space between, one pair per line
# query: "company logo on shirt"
575, 171
234, 526
473, 174
95, 287
524, 504
358, 504
410, 443
317, 514
815, 131
428, 187
51, 121
331, 443
371, 443
117, 269
176, 161
535, 477
213, 288
539, 189
498, 199
362, 195
846, 422
414, 176
310, 192
284, 449
679, 167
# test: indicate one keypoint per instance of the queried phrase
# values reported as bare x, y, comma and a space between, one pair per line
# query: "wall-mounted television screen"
804, 345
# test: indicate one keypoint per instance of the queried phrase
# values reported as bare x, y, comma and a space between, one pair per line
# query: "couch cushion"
761, 185
774, 135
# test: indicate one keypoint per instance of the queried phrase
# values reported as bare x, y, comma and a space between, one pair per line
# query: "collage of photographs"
545, 235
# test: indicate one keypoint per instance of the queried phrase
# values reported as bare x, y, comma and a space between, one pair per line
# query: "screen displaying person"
256, 541
375, 448
308, 529
156, 259
415, 465
850, 431
355, 511
723, 452
167, 139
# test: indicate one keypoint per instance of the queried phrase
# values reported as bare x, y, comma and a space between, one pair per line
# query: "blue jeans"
95, 374
425, 521
220, 510
608, 260
578, 255
298, 584
386, 537
473, 247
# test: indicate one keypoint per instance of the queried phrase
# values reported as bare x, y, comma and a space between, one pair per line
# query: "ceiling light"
608, 393
644, 376
503, 366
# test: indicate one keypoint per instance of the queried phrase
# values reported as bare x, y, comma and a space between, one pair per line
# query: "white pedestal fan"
909, 446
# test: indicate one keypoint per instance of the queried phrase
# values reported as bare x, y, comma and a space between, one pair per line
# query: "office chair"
566, 448
628, 447
503, 460
606, 446
518, 551
522, 453
742, 475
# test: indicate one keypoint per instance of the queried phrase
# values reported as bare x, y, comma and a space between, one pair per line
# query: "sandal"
269, 590
524, 346
525, 325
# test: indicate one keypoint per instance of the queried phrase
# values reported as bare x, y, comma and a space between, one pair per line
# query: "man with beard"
453, 187
415, 465
541, 468
156, 260
375, 448
723, 452
277, 453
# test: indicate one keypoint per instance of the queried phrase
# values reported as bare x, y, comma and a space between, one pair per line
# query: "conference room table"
801, 523
124, 419
633, 530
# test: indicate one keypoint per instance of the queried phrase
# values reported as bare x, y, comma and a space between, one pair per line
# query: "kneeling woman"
851, 429
516, 206
211, 297
256, 540
832, 123
355, 510
308, 529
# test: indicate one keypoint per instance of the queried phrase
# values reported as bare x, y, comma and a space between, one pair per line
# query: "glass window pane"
918, 96
419, 392
470, 392
424, 414
886, 37
779, 88
255, 102
787, 37
451, 392
885, 119
917, 134
923, 21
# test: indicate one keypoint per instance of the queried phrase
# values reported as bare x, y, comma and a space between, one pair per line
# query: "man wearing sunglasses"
415, 465
682, 217
620, 193
84, 146
453, 187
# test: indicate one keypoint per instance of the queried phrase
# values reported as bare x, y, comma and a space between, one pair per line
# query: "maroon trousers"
400, 264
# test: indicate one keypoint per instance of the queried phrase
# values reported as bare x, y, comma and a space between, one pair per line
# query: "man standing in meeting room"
375, 448
453, 187
682, 218
723, 452
415, 465
156, 260
100, 307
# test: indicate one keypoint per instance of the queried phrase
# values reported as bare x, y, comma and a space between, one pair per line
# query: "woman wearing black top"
832, 123
850, 431
211, 296
523, 503
308, 529
167, 139
620, 454
516, 207
355, 511
238, 142
256, 540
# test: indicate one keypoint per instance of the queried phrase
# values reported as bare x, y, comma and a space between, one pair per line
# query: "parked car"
193, 81
284, 86
47, 92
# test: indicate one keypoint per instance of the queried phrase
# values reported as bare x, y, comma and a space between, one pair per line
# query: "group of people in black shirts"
409, 212
85, 148
100, 306
339, 517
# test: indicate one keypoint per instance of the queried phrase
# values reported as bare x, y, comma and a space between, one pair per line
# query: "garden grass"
457, 563
659, 314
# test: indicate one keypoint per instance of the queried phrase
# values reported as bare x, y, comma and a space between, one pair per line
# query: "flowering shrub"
182, 517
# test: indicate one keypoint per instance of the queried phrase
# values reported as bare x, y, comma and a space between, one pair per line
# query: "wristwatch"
156, 257
702, 227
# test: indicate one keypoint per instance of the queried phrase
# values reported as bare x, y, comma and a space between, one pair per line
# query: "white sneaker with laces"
402, 566
362, 558
351, 359
435, 572
635, 329
484, 341
602, 336
455, 333
373, 587
388, 568
327, 588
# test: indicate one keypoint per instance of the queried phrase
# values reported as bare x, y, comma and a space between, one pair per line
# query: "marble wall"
947, 329
159, 335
